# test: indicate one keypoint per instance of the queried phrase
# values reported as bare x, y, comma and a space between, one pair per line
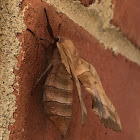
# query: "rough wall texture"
120, 77
11, 23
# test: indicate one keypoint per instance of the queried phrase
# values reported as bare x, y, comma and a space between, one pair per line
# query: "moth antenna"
48, 25
37, 36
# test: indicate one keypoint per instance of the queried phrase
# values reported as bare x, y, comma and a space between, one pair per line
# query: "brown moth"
67, 67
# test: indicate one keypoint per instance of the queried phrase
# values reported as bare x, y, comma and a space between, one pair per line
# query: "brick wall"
106, 34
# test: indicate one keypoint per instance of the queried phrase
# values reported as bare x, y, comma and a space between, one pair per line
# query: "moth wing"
68, 60
64, 57
101, 103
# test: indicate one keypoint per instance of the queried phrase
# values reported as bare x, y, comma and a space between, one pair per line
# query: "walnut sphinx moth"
68, 68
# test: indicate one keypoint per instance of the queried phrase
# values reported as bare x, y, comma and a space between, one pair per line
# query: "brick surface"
126, 16
119, 76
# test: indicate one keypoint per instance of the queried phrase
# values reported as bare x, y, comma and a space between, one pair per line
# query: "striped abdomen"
58, 97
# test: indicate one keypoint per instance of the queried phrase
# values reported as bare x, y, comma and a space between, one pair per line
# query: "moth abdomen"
61, 123
56, 108
58, 97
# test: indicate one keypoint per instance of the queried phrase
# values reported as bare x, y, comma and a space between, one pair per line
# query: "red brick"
126, 16
120, 79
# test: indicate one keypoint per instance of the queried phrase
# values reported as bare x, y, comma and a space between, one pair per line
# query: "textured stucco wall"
11, 23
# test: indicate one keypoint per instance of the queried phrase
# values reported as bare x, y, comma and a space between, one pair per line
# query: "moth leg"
39, 79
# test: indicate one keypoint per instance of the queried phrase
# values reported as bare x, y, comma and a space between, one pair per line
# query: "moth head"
66, 46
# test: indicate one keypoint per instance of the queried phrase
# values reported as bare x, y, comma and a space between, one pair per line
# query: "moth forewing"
69, 57
68, 52
101, 103
88, 76
69, 48
64, 58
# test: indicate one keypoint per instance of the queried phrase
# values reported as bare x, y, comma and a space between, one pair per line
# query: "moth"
66, 68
